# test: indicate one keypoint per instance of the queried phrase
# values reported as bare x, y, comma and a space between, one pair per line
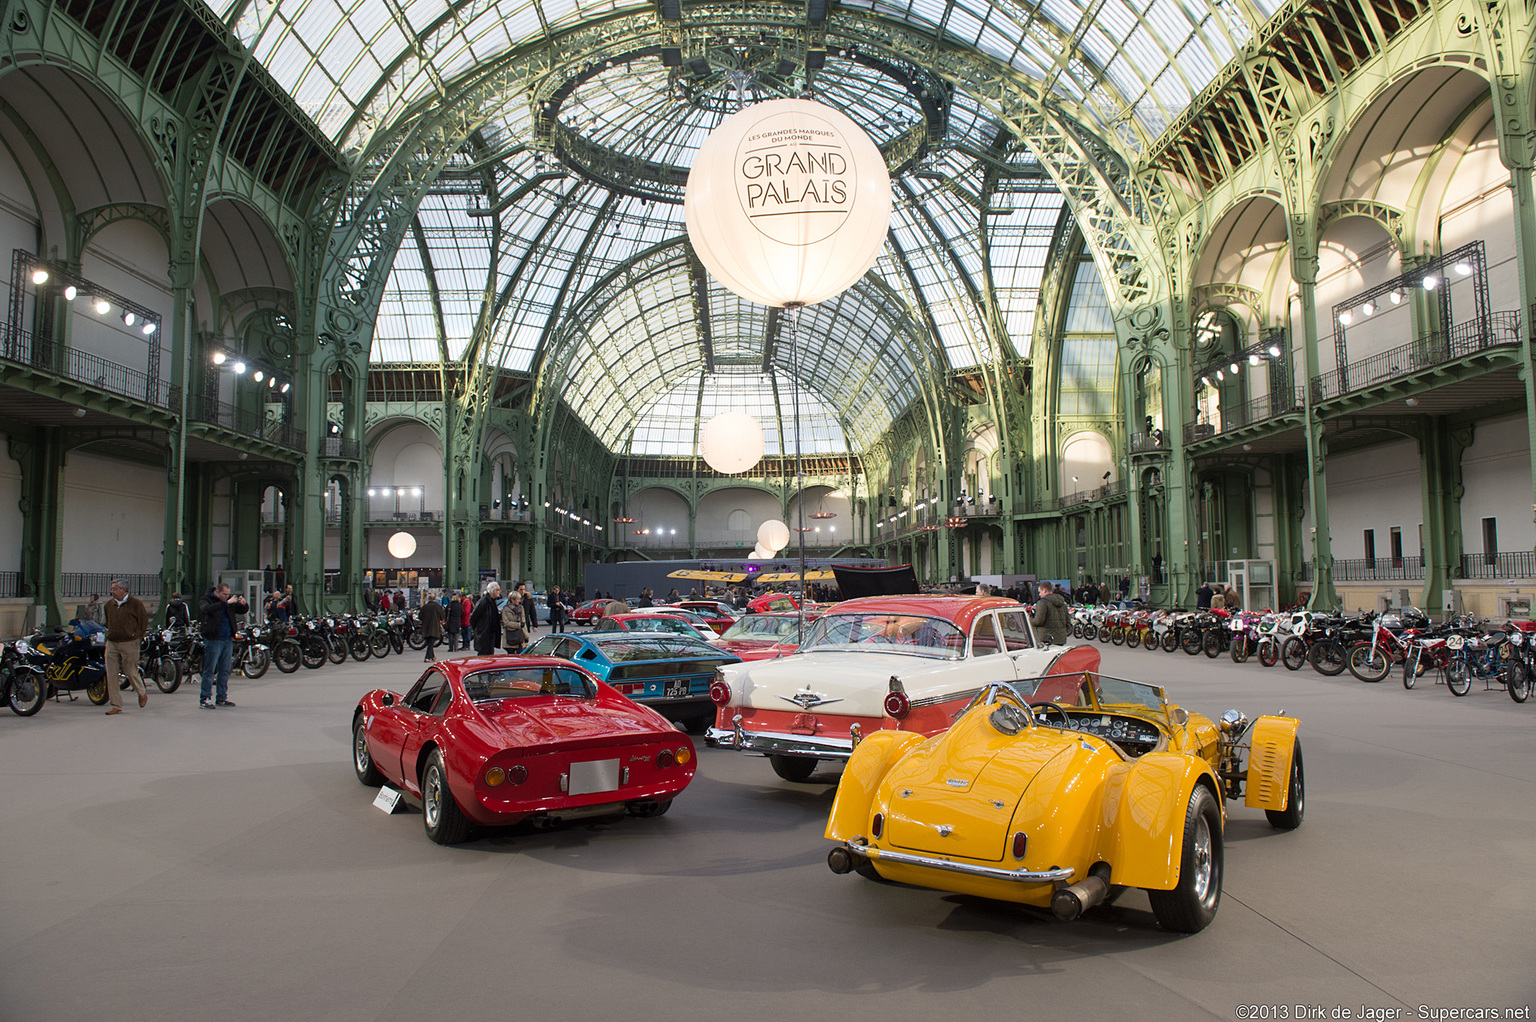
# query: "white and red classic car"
903, 663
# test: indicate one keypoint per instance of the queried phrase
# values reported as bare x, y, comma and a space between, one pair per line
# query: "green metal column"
307, 573
1440, 451
1304, 271
173, 548
41, 458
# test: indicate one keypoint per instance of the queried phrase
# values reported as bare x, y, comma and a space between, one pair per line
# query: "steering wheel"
1042, 708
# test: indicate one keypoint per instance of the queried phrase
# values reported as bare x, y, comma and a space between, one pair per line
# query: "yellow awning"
814, 575
708, 576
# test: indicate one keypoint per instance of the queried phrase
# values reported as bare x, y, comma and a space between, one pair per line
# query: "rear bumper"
776, 743
1017, 876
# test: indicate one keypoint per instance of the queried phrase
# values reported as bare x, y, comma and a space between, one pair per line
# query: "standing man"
1050, 617
127, 622
453, 620
90, 610
467, 608
431, 618
219, 610
557, 609
485, 620
176, 613
530, 611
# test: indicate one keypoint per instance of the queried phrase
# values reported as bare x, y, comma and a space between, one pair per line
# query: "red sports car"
587, 613
498, 740
718, 614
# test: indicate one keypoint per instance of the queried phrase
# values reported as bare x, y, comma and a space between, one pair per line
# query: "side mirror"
1180, 716
387, 699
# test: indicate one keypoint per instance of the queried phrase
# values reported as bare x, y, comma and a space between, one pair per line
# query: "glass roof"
354, 65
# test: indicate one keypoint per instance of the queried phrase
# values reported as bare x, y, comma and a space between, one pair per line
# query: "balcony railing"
77, 585
10, 583
1147, 443
1378, 569
1513, 564
1495, 330
248, 422
58, 359
340, 447
1260, 409
1111, 489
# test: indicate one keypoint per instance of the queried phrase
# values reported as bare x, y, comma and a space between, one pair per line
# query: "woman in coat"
514, 624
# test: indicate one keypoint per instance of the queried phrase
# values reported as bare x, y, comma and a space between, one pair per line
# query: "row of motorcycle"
59, 664
1370, 646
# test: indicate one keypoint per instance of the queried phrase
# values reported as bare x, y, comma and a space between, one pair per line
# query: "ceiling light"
1220, 376
1369, 308
39, 276
258, 376
1430, 282
285, 387
129, 319
70, 292
1274, 351
1396, 297
1234, 367
103, 306
219, 358
271, 381
1346, 317
239, 367
1205, 380
1253, 360
1412, 402
79, 413
149, 327
1463, 268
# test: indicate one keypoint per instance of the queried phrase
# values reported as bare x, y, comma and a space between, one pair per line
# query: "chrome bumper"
777, 744
1018, 876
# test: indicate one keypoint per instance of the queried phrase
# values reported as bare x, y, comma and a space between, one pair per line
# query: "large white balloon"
731, 442
773, 535
402, 545
788, 202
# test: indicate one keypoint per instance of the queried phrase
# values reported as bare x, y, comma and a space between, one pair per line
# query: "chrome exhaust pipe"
1071, 902
840, 860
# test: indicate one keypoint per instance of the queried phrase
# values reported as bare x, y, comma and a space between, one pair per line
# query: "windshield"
631, 650
1116, 690
761, 626
886, 632
521, 682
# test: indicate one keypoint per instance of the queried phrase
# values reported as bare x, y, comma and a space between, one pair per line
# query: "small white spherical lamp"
763, 552
773, 535
402, 545
788, 202
731, 442
754, 556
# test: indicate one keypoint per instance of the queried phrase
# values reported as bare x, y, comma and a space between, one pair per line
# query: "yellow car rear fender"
862, 775
1271, 742
1143, 825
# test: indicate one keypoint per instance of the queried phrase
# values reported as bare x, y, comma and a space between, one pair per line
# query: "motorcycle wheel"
378, 642
358, 646
1458, 678
1210, 644
396, 643
1117, 635
1132, 638
1190, 642
1241, 648
312, 651
287, 656
1411, 677
1367, 664
1269, 651
1327, 658
1293, 652
256, 662
335, 649
1090, 632
416, 640
26, 693
1170, 641
97, 692
168, 675
1517, 678
1077, 629
1150, 640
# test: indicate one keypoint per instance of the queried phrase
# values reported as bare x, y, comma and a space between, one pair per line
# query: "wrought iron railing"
80, 584
59, 359
1509, 564
1147, 443
1111, 489
1260, 409
10, 583
1495, 330
248, 422
1378, 569
340, 447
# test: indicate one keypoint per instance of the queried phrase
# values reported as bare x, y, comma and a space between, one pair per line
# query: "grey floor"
177, 863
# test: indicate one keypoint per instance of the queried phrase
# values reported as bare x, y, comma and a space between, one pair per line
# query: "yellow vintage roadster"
1063, 792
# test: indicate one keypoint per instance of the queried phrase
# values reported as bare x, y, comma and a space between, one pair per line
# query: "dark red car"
587, 613
499, 740
718, 615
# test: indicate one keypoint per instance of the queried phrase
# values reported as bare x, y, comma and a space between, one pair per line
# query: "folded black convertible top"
897, 580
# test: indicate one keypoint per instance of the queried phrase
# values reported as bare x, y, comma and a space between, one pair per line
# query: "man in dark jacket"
557, 609
176, 613
219, 625
485, 620
431, 619
1050, 617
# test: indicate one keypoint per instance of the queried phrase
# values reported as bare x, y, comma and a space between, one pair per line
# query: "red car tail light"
719, 692
683, 755
664, 759
896, 705
494, 776
877, 825
517, 774
1020, 844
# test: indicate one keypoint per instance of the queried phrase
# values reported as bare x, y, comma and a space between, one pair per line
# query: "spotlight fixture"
371, 492
129, 319
1346, 317
239, 368
1369, 308
219, 358
1412, 402
1253, 360
284, 388
1274, 351
1463, 269
148, 327
70, 292
102, 306
1220, 376
1205, 380
1396, 297
1234, 367
39, 276
78, 413
1430, 282
271, 382
258, 376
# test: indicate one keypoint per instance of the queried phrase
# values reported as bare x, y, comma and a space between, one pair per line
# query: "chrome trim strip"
948, 697
779, 744
1046, 876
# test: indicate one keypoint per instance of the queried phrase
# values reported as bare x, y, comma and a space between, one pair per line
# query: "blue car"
669, 673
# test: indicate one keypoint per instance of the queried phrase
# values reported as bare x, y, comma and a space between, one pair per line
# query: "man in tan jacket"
127, 622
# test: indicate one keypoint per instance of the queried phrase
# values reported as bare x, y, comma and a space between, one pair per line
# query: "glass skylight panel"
1087, 375
1088, 311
